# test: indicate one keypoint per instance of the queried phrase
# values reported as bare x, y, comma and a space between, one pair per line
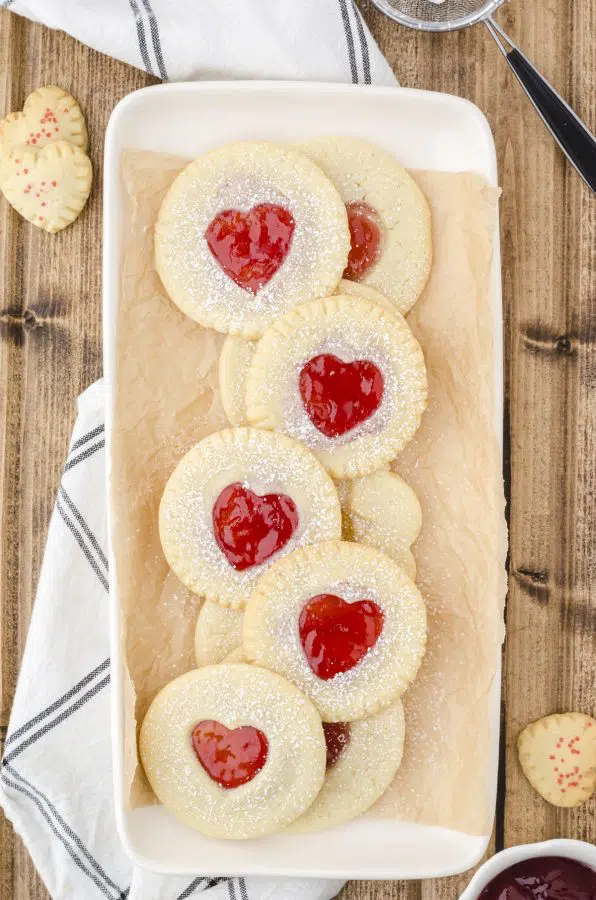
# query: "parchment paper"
167, 399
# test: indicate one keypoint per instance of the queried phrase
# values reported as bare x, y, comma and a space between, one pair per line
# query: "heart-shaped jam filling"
337, 737
230, 757
337, 395
248, 528
365, 234
251, 246
336, 635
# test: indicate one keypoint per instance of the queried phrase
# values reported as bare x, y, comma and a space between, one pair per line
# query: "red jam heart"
251, 246
248, 528
230, 758
337, 738
336, 635
365, 233
338, 396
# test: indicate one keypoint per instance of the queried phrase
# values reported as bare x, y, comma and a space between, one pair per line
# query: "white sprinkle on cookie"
558, 757
49, 114
48, 187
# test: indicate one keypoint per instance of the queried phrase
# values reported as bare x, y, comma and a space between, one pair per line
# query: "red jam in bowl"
543, 878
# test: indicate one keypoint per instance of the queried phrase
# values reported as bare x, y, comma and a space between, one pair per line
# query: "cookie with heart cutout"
237, 501
234, 751
343, 376
558, 757
49, 114
389, 217
48, 187
218, 633
362, 759
246, 232
342, 622
237, 353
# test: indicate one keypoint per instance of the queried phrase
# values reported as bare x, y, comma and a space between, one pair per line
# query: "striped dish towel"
315, 40
56, 774
55, 777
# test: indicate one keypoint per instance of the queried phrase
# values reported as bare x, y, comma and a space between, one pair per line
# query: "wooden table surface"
50, 349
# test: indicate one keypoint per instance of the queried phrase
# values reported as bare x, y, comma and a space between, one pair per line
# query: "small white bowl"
578, 850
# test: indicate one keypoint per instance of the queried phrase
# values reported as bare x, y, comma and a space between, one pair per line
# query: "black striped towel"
56, 774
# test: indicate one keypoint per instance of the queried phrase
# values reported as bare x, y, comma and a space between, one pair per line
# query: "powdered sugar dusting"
350, 328
353, 572
234, 695
241, 176
263, 461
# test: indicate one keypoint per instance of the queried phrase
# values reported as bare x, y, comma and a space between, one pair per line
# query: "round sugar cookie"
365, 532
233, 751
341, 621
365, 292
218, 633
343, 376
237, 656
362, 759
246, 232
239, 499
390, 226
234, 362
237, 353
383, 511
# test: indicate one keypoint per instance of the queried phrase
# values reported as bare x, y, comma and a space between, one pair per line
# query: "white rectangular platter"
425, 131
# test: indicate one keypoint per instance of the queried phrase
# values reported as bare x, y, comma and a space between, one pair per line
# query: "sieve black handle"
568, 130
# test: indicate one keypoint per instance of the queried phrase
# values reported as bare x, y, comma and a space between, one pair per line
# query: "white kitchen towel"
56, 775
316, 40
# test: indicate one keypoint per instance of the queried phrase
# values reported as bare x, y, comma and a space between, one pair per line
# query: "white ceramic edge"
111, 288
570, 849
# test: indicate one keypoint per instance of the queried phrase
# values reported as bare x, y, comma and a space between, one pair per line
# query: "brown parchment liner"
167, 399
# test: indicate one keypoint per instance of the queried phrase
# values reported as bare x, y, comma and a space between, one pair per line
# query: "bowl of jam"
552, 870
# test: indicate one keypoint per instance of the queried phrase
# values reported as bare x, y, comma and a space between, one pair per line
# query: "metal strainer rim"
485, 10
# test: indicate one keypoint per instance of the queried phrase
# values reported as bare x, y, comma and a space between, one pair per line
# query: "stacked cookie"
307, 258
45, 172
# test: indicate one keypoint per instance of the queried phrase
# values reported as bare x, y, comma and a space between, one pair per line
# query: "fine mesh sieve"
571, 134
430, 16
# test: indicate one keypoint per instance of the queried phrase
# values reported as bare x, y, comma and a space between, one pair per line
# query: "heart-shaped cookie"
48, 187
230, 757
558, 757
336, 635
251, 246
337, 395
50, 114
249, 529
